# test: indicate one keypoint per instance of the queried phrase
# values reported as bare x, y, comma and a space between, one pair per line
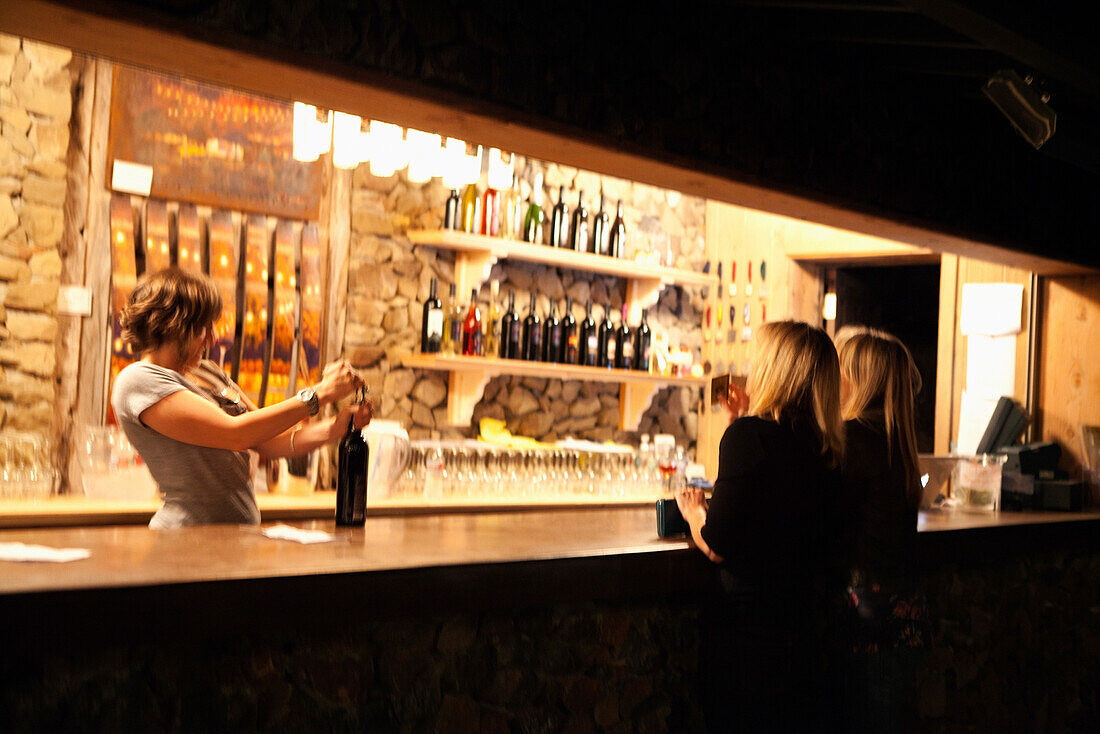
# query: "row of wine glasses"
470, 470
26, 467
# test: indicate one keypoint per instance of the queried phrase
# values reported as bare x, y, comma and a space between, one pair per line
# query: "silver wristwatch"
307, 396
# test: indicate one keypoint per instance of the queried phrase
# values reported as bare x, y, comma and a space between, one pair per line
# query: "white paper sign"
974, 414
992, 309
991, 365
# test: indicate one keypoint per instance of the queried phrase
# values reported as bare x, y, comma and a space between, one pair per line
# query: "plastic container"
976, 483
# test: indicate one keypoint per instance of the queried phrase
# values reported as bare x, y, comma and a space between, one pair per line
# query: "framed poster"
211, 145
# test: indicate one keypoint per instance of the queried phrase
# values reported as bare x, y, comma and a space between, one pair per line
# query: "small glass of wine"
669, 458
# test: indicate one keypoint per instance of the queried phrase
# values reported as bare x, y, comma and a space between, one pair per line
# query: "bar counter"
466, 536
523, 620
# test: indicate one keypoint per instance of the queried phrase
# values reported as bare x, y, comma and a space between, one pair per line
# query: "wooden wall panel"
1069, 362
952, 344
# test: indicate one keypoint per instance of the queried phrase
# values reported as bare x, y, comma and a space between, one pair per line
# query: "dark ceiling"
874, 105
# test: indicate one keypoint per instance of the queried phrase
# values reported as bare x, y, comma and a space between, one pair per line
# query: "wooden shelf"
476, 255
470, 375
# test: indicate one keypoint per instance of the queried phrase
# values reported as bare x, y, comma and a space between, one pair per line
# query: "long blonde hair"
880, 371
795, 374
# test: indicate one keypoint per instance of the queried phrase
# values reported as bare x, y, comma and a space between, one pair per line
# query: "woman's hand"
736, 403
692, 504
338, 381
361, 413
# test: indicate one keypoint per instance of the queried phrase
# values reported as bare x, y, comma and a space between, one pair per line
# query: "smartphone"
720, 388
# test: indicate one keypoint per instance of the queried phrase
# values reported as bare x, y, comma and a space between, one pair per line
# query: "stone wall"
35, 108
389, 279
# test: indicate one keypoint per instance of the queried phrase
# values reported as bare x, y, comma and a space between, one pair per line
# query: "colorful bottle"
510, 331
452, 324
536, 217
587, 339
532, 333
624, 345
601, 225
568, 335
490, 212
470, 209
451, 213
559, 221
471, 328
431, 325
551, 335
643, 338
616, 242
578, 239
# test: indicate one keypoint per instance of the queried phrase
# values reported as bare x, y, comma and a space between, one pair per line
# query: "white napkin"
24, 552
286, 532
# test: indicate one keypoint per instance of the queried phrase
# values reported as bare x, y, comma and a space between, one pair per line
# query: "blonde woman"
196, 440
879, 384
771, 525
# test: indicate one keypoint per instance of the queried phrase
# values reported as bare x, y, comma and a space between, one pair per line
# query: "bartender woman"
194, 441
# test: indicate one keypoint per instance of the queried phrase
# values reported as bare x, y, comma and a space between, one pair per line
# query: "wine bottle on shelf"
452, 324
490, 342
532, 333
559, 221
624, 345
616, 241
471, 209
511, 211
535, 219
509, 330
601, 224
471, 328
568, 353
451, 213
587, 338
351, 477
605, 349
431, 325
551, 335
578, 239
643, 338
490, 212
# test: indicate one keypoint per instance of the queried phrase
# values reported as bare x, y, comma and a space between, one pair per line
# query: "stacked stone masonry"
35, 109
389, 280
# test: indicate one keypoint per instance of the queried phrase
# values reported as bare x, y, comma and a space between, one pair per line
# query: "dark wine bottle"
643, 338
431, 326
568, 353
450, 214
471, 328
559, 221
351, 477
616, 243
579, 228
605, 343
587, 339
551, 335
509, 330
601, 224
532, 333
624, 345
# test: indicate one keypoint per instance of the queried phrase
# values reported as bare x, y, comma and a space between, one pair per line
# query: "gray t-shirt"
200, 484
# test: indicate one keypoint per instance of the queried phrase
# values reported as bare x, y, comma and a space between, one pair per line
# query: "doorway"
903, 300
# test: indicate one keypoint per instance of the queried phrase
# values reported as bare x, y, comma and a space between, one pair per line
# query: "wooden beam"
376, 96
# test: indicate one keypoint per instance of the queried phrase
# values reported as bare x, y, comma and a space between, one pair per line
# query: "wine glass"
668, 462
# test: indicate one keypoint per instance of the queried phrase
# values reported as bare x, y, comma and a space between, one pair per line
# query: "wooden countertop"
134, 556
